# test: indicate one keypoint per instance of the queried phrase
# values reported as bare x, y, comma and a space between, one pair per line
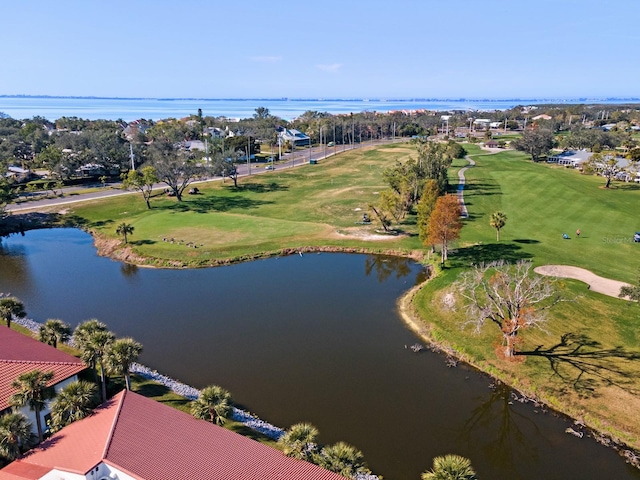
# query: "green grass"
600, 382
162, 394
157, 392
310, 206
316, 205
541, 203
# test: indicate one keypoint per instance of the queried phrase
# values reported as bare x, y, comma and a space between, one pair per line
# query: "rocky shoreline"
180, 388
192, 393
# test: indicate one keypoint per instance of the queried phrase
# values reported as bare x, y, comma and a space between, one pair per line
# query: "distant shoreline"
551, 100
134, 108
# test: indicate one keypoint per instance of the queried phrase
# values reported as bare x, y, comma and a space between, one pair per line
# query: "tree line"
419, 186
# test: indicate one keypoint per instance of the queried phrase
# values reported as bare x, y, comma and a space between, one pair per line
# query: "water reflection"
305, 338
129, 270
502, 430
15, 263
385, 266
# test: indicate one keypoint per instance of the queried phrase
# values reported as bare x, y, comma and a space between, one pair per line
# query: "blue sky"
321, 49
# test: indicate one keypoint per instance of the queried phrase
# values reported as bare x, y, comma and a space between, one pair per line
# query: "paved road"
80, 194
461, 183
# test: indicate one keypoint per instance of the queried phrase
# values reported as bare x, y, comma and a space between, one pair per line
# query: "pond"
306, 338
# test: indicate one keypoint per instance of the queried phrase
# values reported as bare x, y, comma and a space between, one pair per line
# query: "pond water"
306, 338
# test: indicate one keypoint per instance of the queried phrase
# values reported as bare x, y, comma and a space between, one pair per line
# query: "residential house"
570, 158
215, 132
135, 128
133, 437
19, 174
482, 122
491, 144
293, 136
22, 354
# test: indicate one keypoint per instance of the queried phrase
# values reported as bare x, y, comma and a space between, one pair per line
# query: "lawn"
310, 206
585, 360
541, 203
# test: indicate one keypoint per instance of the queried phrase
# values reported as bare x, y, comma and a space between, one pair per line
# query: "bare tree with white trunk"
509, 295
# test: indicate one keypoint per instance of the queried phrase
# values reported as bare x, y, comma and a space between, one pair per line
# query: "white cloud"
332, 68
266, 59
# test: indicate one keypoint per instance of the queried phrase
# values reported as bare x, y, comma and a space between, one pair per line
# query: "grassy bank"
586, 360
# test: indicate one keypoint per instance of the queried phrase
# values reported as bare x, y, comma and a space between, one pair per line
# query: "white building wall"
60, 475
101, 472
31, 415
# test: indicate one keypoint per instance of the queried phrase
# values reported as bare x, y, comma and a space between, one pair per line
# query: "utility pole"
324, 145
249, 153
132, 156
353, 138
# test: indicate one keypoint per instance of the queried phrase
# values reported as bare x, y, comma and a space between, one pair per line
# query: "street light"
249, 153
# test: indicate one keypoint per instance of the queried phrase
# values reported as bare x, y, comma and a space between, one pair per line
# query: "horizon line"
343, 99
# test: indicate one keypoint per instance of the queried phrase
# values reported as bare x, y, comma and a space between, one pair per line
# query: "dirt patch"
114, 248
360, 234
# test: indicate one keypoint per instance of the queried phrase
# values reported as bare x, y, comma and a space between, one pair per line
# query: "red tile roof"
149, 440
21, 354
76, 448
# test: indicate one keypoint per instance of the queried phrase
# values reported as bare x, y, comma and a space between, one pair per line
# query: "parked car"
269, 167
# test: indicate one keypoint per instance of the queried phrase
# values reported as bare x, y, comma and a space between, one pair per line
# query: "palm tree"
100, 343
450, 467
213, 405
124, 229
54, 331
299, 441
74, 402
498, 220
123, 352
343, 459
9, 307
15, 432
81, 339
94, 341
33, 391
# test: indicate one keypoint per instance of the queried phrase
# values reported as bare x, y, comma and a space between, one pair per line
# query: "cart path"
461, 183
596, 283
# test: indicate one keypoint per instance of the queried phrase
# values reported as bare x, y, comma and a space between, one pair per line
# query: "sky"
494, 49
